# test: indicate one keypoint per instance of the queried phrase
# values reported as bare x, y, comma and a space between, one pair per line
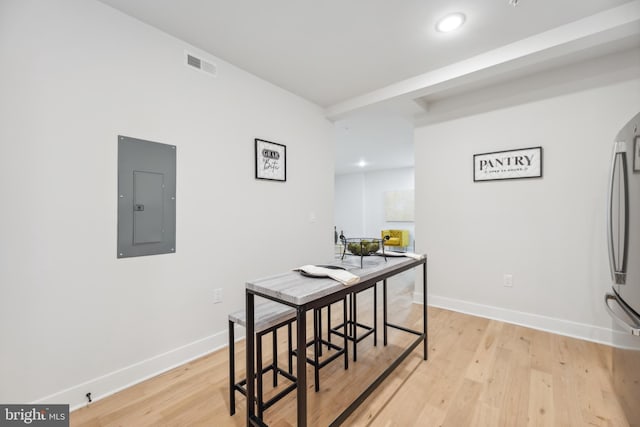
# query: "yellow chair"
396, 238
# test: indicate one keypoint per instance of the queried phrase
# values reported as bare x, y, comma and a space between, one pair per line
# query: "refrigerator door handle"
618, 259
633, 329
612, 255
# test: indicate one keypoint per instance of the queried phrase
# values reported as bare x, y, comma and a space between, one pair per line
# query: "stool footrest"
339, 352
328, 360
241, 386
337, 331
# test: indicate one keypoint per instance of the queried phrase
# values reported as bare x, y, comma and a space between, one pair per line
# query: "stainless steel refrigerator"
623, 301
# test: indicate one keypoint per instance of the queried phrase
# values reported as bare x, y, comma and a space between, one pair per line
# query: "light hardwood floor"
480, 372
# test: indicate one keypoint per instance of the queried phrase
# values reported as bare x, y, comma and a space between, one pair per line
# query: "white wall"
73, 318
359, 201
349, 204
549, 233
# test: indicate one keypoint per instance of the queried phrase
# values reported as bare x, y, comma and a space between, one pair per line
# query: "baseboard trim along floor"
548, 324
113, 382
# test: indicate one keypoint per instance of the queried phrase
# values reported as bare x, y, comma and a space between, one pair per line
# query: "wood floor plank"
485, 415
564, 383
464, 405
515, 405
495, 387
484, 357
541, 409
541, 354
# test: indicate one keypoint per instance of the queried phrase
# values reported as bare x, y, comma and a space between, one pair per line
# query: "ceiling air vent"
201, 64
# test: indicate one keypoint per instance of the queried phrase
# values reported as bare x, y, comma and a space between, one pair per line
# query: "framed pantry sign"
510, 164
271, 160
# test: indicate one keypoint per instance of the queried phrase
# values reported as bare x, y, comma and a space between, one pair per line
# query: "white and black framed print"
510, 164
271, 160
636, 154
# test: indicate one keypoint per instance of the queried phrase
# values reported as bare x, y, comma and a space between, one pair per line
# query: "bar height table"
303, 294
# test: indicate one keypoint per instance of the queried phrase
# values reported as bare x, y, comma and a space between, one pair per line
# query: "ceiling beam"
604, 28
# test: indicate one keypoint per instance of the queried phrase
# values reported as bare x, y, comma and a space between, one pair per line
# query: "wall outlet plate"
507, 280
217, 296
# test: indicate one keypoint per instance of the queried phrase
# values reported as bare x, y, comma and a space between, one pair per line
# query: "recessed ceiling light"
362, 163
450, 22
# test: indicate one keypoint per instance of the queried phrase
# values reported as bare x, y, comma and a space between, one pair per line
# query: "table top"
297, 289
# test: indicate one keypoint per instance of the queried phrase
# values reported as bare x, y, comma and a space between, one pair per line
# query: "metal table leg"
354, 310
251, 392
424, 306
259, 374
232, 369
274, 346
344, 334
384, 310
375, 315
317, 347
301, 360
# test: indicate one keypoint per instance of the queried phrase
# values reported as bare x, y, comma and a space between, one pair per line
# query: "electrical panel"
146, 197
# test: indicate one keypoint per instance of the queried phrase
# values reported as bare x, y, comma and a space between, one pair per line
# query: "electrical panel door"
146, 197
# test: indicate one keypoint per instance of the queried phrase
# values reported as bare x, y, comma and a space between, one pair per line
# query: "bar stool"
269, 317
353, 324
318, 341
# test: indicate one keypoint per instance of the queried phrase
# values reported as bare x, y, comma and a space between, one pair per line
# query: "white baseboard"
549, 324
113, 382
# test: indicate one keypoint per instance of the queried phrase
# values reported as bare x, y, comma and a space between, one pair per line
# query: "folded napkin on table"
342, 276
407, 254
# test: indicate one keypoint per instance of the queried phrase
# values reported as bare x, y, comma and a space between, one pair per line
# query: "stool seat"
267, 315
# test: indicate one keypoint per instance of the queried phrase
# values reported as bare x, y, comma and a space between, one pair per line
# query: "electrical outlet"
217, 296
507, 280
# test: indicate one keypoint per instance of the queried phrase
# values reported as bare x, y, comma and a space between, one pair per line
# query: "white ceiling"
331, 50
368, 61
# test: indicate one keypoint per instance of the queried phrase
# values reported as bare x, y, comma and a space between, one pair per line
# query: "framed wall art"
399, 206
510, 164
271, 160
